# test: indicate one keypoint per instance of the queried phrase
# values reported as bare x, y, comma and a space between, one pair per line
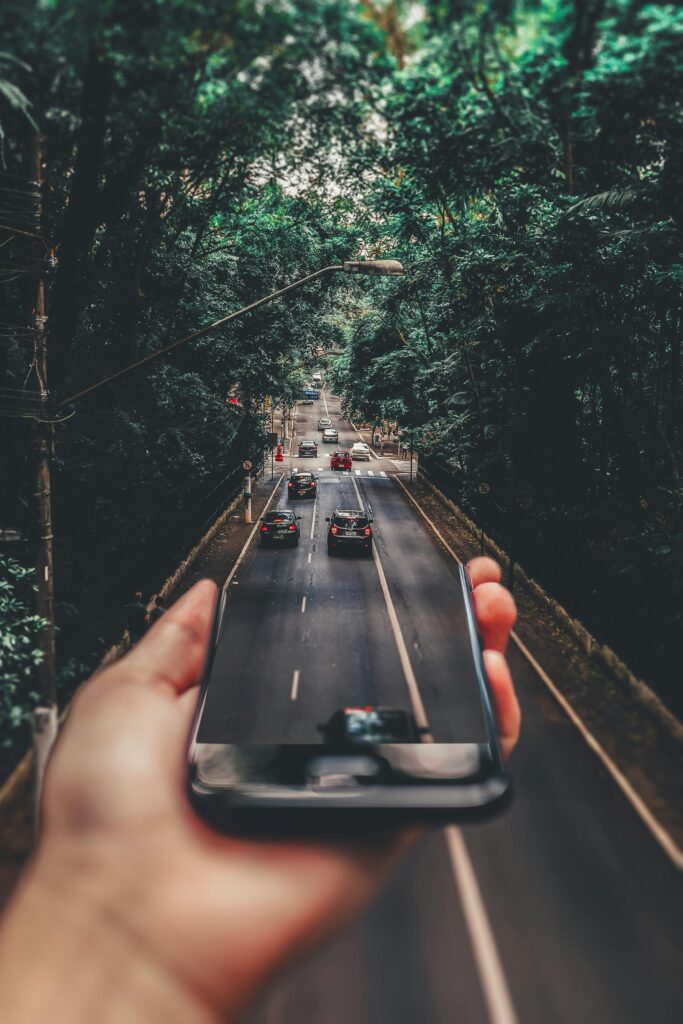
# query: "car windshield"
350, 520
279, 517
302, 478
307, 444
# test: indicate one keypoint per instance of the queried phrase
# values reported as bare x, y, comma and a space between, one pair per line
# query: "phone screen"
360, 700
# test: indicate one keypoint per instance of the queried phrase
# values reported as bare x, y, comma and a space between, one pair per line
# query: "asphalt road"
564, 910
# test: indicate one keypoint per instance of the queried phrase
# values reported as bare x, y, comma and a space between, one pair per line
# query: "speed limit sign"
246, 465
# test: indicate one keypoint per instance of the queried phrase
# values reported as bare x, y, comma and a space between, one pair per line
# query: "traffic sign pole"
246, 466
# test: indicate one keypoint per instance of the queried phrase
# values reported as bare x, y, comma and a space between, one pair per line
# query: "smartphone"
341, 767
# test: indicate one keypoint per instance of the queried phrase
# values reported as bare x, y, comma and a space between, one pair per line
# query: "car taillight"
334, 530
264, 529
290, 485
292, 526
367, 531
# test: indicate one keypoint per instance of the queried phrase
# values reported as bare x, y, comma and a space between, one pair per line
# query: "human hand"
134, 908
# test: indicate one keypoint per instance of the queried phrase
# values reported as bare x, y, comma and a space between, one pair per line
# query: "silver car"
360, 450
324, 422
330, 436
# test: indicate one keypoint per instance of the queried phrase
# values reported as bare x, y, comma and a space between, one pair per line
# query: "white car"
317, 378
330, 436
324, 422
360, 450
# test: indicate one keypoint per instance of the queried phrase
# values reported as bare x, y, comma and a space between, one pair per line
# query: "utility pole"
246, 465
42, 447
44, 724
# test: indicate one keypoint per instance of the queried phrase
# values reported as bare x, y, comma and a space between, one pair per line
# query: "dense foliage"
19, 648
531, 178
523, 158
173, 135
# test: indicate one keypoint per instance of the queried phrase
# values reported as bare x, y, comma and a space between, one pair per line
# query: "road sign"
246, 465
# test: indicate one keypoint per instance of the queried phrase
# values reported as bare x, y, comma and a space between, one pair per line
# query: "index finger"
494, 606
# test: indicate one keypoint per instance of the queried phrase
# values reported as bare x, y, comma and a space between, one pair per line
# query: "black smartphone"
364, 765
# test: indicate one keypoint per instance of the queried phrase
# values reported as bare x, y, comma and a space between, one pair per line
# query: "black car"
349, 530
280, 527
370, 724
302, 485
308, 448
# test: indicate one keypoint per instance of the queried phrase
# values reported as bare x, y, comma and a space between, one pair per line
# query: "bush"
19, 650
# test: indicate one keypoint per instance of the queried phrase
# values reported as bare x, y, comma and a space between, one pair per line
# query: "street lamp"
382, 268
376, 268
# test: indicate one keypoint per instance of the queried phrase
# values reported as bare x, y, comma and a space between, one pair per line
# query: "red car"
340, 460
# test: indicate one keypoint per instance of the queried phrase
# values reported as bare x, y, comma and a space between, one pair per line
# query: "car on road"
349, 530
324, 422
340, 460
330, 436
280, 527
317, 378
308, 449
302, 485
370, 724
360, 450
306, 400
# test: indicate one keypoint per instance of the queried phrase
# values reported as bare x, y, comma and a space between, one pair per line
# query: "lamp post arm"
195, 334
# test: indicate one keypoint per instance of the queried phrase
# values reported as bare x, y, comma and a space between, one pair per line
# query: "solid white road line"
303, 604
251, 536
413, 689
315, 509
491, 975
327, 411
310, 555
657, 830
236, 566
295, 685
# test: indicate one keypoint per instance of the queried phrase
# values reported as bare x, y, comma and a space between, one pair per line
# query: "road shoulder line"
251, 535
489, 966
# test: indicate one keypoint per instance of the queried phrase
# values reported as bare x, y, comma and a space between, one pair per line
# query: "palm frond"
615, 200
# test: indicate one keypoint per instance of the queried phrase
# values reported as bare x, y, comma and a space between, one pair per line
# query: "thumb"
172, 654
